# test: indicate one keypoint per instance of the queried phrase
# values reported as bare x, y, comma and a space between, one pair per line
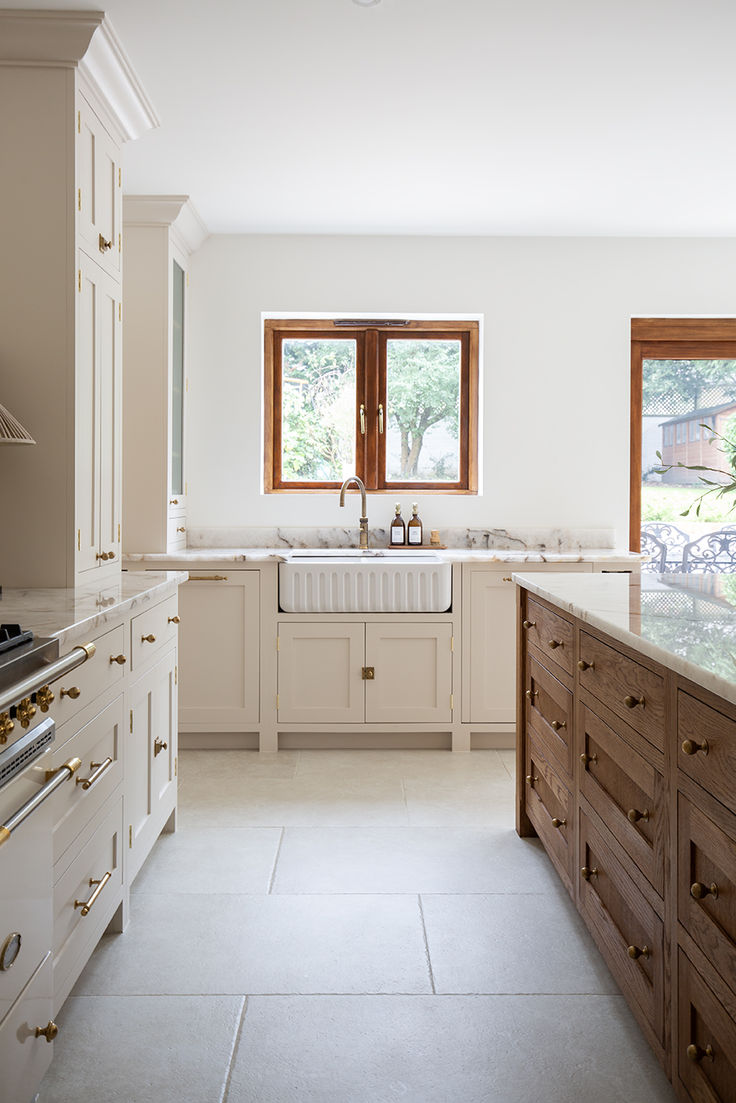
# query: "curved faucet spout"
353, 479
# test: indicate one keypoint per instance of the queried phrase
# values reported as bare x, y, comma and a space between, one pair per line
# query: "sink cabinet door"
413, 673
320, 673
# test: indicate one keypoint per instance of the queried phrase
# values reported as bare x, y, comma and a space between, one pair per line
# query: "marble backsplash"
517, 539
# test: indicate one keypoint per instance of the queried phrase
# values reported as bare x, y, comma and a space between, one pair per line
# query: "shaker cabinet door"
412, 666
320, 673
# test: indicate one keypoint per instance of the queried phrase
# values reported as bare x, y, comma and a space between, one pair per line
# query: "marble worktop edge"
74, 614
201, 556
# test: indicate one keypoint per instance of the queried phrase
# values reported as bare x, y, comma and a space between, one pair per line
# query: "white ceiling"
438, 116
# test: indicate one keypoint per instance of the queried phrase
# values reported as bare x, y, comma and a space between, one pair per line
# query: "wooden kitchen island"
626, 769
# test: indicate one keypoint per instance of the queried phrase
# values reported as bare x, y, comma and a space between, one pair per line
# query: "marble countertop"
192, 556
75, 613
686, 623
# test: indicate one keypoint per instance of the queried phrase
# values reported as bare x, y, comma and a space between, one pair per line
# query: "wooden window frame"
372, 338
662, 339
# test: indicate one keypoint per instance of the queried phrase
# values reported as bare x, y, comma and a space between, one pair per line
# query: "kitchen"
553, 299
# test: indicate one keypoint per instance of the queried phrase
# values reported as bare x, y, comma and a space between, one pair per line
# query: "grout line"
276, 862
233, 1052
426, 946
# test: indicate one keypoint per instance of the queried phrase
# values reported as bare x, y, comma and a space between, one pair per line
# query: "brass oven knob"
690, 747
25, 712
635, 952
699, 891
48, 1032
73, 693
159, 746
44, 698
150, 638
6, 727
695, 1053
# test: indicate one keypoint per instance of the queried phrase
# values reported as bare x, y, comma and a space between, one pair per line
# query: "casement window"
395, 402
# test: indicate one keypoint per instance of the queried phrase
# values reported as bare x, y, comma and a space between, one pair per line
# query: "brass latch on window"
369, 673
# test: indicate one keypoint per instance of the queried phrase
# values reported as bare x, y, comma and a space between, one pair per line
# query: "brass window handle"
362, 419
380, 418
150, 638
98, 769
86, 905
119, 659
690, 747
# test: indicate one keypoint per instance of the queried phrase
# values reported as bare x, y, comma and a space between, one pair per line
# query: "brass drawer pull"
48, 1032
586, 873
173, 501
150, 638
690, 747
699, 891
529, 623
634, 815
559, 823
531, 778
174, 620
181, 529
632, 702
507, 578
582, 665
557, 724
531, 693
74, 692
695, 1053
555, 643
98, 769
634, 952
208, 578
86, 905
119, 659
158, 746
588, 758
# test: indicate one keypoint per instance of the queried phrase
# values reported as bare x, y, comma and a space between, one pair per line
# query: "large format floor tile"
272, 944
155, 1049
416, 859
234, 859
514, 944
466, 802
444, 1049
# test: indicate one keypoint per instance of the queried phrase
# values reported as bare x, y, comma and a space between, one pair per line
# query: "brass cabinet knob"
6, 727
507, 578
531, 693
699, 891
74, 692
181, 529
529, 623
531, 778
44, 697
557, 724
119, 659
634, 815
173, 501
150, 638
588, 758
695, 1053
586, 872
368, 673
558, 823
582, 665
101, 555
635, 952
632, 702
25, 711
48, 1032
174, 620
104, 245
690, 747
158, 746
555, 643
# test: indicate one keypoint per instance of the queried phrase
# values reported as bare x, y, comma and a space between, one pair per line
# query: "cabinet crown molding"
85, 40
175, 212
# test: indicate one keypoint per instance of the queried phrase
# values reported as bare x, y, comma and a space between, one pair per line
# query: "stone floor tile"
211, 860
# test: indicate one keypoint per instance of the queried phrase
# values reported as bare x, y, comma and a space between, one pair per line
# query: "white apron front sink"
348, 580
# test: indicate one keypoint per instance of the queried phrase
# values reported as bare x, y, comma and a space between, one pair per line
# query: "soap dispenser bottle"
414, 528
398, 529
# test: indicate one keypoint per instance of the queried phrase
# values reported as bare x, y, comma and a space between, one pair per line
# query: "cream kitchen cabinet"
160, 233
99, 190
397, 672
219, 645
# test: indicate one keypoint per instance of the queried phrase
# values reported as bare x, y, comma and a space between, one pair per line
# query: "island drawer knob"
690, 747
582, 665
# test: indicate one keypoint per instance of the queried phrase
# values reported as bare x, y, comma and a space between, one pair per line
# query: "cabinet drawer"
153, 630
77, 932
549, 712
706, 866
626, 792
626, 929
176, 533
706, 742
552, 634
550, 808
90, 679
24, 1058
706, 1043
631, 690
99, 745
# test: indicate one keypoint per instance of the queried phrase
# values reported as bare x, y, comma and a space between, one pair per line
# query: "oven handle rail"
57, 778
57, 669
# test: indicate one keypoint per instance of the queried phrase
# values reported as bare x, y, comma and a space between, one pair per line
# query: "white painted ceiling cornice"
174, 212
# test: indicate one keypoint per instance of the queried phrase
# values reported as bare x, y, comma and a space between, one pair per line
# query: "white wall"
555, 412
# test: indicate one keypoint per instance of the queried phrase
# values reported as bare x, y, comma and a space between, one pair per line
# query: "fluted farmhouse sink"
348, 580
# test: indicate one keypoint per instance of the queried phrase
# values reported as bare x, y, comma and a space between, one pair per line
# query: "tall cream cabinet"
160, 233
74, 101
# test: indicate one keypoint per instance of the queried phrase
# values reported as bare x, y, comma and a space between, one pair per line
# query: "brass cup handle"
554, 644
103, 244
98, 769
86, 905
557, 724
634, 815
586, 872
582, 665
158, 746
529, 624
635, 952
559, 823
175, 620
690, 747
695, 1053
48, 1032
588, 758
699, 891
119, 659
150, 638
74, 692
44, 697
632, 702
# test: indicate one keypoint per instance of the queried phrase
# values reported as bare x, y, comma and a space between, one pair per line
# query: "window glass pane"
423, 411
318, 380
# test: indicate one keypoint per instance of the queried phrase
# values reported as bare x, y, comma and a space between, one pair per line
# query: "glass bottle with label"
398, 528
414, 530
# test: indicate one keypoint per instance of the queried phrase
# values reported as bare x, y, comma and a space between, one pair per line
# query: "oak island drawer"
99, 745
551, 633
25, 1034
549, 711
153, 630
628, 688
626, 792
706, 886
706, 741
549, 807
104, 669
627, 931
706, 1039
